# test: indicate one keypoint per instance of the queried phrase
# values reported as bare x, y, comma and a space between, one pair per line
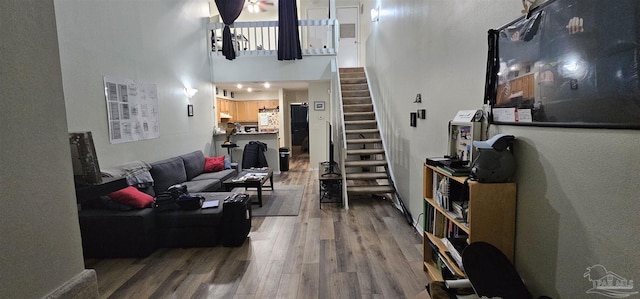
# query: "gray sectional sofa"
110, 230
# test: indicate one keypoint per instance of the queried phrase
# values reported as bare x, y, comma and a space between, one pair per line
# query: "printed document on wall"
132, 110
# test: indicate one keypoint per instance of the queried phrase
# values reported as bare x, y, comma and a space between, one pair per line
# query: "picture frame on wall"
224, 92
189, 110
318, 105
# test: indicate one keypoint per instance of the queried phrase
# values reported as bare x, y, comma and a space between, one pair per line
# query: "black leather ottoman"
112, 234
195, 228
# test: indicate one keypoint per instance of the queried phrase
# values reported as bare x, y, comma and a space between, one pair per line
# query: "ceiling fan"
256, 6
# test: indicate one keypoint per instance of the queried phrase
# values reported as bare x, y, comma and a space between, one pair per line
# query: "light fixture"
375, 14
239, 86
267, 85
249, 89
190, 92
253, 7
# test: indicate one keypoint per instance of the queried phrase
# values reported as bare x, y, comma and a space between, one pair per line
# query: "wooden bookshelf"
490, 218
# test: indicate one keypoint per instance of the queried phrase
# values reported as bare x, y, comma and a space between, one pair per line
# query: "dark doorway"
300, 128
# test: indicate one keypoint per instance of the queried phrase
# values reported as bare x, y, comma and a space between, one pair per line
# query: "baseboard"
83, 285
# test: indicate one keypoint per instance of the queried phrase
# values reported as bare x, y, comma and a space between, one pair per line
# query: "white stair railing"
260, 38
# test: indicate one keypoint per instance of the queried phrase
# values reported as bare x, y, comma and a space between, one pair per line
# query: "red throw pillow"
132, 196
212, 164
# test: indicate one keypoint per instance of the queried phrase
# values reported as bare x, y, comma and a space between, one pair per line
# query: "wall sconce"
375, 14
190, 92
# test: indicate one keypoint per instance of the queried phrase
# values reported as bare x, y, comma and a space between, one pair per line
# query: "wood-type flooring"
368, 251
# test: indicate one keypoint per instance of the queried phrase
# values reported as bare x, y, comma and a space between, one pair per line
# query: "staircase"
366, 165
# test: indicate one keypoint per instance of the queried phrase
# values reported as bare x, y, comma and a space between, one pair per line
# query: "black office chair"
492, 274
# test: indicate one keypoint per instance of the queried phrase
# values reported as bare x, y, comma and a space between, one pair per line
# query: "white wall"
41, 247
318, 148
161, 42
261, 68
577, 188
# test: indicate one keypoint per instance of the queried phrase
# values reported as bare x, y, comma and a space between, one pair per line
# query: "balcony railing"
260, 38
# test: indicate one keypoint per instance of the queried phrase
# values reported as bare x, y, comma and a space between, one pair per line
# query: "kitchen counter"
242, 139
245, 133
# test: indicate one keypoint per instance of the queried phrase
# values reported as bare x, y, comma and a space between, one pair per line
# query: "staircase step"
355, 93
353, 75
360, 86
366, 176
360, 122
360, 113
370, 189
367, 106
364, 163
351, 70
356, 101
362, 131
353, 79
368, 151
363, 140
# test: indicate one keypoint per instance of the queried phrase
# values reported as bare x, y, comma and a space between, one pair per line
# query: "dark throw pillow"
213, 164
132, 196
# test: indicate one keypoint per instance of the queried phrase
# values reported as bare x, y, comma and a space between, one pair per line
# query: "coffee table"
251, 178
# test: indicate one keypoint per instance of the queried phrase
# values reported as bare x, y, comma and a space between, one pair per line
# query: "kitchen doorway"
299, 129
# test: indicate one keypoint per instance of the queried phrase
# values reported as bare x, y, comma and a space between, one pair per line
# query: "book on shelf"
460, 210
455, 246
448, 272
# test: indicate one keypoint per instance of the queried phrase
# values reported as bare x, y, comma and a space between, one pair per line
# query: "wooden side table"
330, 185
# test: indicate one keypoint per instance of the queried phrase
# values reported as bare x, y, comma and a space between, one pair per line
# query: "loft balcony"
256, 46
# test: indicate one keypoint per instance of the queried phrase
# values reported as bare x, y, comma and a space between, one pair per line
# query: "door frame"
357, 15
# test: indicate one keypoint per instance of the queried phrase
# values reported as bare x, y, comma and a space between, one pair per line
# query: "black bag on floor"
236, 219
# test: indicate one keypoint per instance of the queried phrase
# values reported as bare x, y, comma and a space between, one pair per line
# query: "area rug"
284, 200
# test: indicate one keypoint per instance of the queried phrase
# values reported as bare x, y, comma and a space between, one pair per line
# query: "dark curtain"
229, 11
288, 36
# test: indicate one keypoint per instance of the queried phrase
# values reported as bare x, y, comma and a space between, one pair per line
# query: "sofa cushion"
166, 173
132, 196
203, 185
193, 163
220, 175
212, 164
227, 162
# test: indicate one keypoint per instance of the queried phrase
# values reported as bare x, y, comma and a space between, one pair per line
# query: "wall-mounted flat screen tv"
569, 63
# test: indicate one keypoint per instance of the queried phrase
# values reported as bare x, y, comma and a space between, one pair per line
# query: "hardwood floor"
367, 252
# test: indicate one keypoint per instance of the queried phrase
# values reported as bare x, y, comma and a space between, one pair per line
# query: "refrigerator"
268, 120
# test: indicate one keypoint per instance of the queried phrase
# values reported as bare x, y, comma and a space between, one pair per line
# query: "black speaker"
236, 217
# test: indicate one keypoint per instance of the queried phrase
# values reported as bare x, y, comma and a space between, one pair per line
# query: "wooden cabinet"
227, 107
247, 111
243, 111
490, 217
269, 104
